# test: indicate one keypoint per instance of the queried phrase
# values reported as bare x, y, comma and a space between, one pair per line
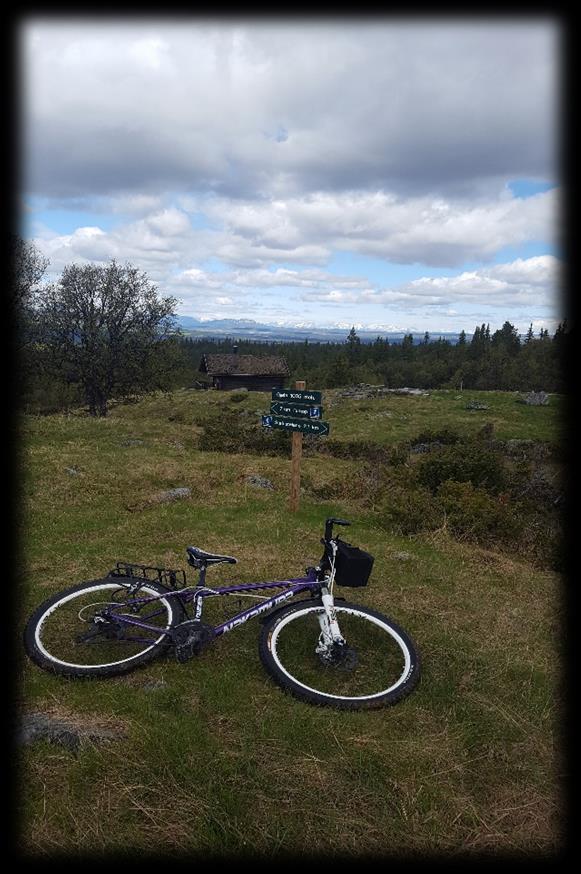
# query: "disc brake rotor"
339, 656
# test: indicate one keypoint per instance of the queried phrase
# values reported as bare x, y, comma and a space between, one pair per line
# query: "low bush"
230, 432
361, 449
464, 462
542, 541
473, 487
475, 514
410, 511
238, 396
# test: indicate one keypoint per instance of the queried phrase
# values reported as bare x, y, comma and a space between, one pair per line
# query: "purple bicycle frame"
295, 586
292, 587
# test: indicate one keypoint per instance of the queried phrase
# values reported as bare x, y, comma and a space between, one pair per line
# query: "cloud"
265, 148
168, 223
521, 284
524, 282
259, 109
434, 231
249, 238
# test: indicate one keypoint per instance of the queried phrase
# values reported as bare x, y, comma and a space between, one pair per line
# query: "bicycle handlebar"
329, 526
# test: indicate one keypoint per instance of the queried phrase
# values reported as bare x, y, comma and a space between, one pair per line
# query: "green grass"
218, 760
399, 417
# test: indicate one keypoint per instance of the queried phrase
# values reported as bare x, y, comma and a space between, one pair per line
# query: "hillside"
211, 757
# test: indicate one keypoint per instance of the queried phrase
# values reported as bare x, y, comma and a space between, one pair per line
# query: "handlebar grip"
329, 526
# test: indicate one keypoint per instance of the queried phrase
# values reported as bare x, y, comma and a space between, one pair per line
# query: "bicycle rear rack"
174, 579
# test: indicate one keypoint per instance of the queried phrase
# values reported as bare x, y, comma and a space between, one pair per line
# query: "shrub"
229, 432
363, 449
329, 490
399, 455
410, 511
475, 514
223, 433
464, 462
542, 541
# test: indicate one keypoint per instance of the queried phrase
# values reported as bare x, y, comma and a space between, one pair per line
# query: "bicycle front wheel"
378, 665
83, 632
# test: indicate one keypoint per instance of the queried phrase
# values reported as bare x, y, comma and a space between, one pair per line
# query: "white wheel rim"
354, 612
69, 597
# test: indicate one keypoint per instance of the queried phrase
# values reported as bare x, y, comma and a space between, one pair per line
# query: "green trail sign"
304, 426
301, 410
298, 395
298, 411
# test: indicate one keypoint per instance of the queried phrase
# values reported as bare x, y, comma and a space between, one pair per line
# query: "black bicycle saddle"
202, 557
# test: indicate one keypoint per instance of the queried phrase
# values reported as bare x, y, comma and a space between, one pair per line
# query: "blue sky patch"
523, 188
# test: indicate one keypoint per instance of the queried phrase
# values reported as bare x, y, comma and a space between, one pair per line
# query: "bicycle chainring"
190, 638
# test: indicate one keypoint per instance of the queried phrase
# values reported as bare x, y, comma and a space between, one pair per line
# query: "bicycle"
322, 649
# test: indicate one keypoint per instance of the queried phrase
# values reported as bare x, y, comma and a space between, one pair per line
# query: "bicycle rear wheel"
81, 633
378, 666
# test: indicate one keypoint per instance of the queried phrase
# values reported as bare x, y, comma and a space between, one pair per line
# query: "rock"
363, 391
537, 399
66, 732
259, 481
476, 405
159, 498
72, 471
419, 448
415, 392
172, 495
154, 685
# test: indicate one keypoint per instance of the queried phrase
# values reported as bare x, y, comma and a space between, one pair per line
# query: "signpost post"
296, 455
298, 411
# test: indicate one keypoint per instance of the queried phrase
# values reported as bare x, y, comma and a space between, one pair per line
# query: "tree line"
100, 333
498, 360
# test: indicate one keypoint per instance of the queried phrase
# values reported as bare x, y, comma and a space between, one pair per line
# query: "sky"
391, 174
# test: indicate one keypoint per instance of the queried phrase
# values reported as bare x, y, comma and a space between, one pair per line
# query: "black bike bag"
352, 565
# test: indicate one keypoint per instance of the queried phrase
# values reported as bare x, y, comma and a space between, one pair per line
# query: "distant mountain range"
248, 329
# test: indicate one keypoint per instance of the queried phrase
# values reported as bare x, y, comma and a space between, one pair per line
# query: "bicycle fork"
330, 631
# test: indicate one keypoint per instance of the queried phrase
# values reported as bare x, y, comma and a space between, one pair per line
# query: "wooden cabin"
253, 372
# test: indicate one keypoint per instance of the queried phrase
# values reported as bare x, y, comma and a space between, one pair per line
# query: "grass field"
214, 759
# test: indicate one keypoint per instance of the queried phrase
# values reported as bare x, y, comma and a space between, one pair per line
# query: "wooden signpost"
298, 411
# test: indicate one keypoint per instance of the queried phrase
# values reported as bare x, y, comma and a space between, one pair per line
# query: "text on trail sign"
302, 410
300, 395
306, 426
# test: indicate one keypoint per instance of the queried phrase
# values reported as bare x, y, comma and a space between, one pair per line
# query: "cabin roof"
243, 365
